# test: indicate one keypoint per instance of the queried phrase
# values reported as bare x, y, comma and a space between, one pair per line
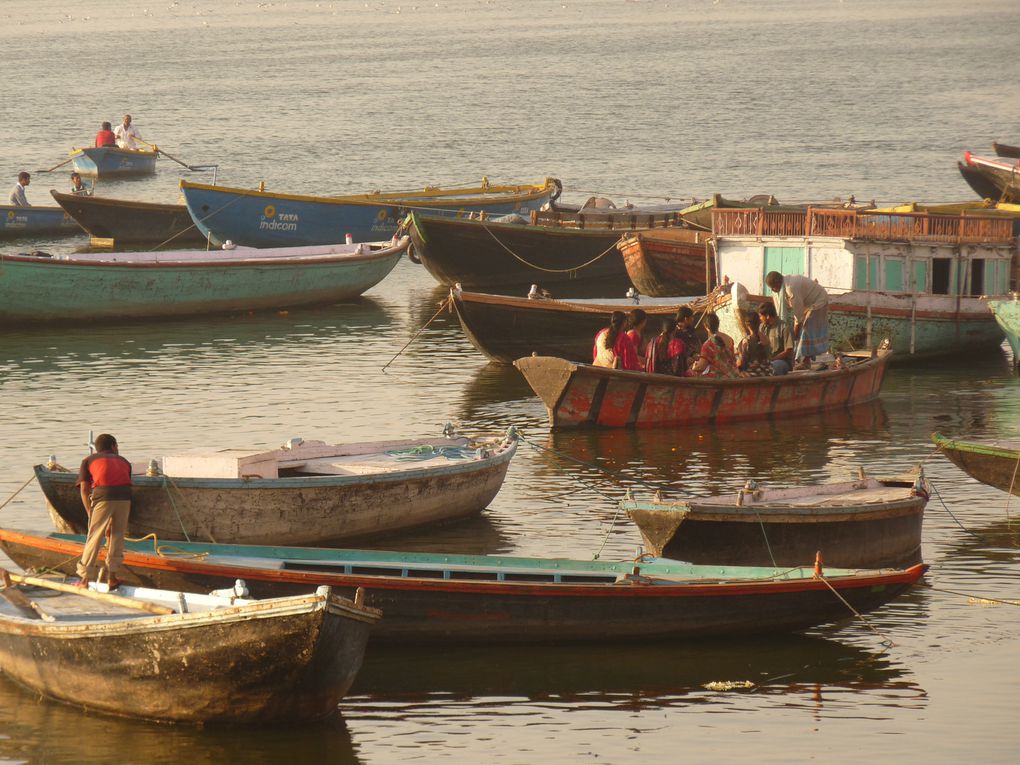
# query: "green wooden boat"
994, 462
1007, 315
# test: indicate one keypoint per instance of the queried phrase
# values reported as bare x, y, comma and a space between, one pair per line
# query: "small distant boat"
113, 162
35, 221
307, 492
992, 178
581, 395
868, 523
112, 285
260, 218
670, 262
995, 462
130, 222
448, 598
185, 657
1007, 316
1005, 150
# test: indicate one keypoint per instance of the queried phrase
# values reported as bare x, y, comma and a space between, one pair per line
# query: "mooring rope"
549, 270
885, 640
976, 598
442, 307
26, 483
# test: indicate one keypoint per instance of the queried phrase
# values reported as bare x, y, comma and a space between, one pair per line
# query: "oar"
71, 159
168, 156
104, 597
20, 601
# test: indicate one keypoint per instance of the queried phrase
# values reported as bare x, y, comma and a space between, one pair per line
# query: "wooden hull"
507, 328
668, 263
992, 462
124, 220
1007, 316
296, 510
112, 162
1005, 150
872, 534
475, 253
262, 663
479, 607
35, 221
995, 179
38, 289
578, 395
264, 219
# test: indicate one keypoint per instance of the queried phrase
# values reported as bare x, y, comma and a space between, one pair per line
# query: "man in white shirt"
127, 134
808, 301
18, 198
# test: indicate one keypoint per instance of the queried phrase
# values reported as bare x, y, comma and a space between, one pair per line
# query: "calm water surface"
639, 100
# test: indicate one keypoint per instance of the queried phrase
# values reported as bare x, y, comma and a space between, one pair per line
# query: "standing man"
809, 303
127, 134
105, 481
18, 198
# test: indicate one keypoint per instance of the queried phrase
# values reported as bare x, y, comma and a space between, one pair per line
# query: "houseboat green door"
785, 260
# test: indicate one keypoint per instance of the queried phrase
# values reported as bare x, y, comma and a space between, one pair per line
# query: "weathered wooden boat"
35, 221
581, 395
668, 263
506, 328
916, 279
203, 658
992, 178
128, 221
472, 598
1007, 315
259, 218
867, 523
307, 492
108, 285
995, 462
1005, 150
113, 162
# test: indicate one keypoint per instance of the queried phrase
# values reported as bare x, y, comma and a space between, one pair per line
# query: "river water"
804, 99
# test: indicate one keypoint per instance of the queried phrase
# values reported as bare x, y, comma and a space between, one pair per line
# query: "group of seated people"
682, 349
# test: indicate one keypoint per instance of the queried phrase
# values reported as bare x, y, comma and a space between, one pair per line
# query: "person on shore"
614, 348
808, 301
18, 198
105, 483
717, 351
77, 187
106, 136
127, 134
637, 320
666, 352
777, 335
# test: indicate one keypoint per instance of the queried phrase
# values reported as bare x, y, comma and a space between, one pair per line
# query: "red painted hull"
668, 263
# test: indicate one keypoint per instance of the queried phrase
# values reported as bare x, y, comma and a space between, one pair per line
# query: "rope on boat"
26, 483
549, 270
448, 302
168, 550
885, 640
1012, 484
976, 599
167, 483
983, 537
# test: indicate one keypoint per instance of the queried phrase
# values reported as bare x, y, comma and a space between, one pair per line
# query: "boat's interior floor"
387, 462
876, 495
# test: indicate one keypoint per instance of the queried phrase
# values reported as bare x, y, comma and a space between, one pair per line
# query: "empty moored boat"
129, 221
35, 221
995, 462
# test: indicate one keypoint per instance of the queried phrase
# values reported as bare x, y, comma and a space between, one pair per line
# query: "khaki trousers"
106, 514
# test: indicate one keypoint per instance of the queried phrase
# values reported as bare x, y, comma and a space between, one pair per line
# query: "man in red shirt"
105, 136
105, 481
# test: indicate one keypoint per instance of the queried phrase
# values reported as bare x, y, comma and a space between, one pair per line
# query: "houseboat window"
977, 276
894, 274
920, 276
862, 264
940, 275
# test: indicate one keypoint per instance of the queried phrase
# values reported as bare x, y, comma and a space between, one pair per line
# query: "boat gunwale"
974, 447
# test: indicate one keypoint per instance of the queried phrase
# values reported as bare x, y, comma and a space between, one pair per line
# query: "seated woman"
637, 320
666, 352
613, 347
752, 355
716, 353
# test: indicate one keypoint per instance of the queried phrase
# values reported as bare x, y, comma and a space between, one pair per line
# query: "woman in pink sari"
716, 353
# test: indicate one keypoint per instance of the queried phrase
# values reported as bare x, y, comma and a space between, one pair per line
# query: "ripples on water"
801, 98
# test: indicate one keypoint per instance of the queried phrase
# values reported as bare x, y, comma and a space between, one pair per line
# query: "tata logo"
270, 211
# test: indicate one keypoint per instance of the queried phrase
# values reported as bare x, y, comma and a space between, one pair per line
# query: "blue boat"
111, 161
258, 218
36, 221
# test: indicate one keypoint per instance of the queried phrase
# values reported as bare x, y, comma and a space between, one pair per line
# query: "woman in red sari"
666, 351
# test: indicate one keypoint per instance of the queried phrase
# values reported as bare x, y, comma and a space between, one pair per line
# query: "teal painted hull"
932, 337
35, 221
1007, 315
34, 290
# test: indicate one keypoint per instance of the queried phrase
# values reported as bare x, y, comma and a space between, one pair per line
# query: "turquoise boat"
111, 161
36, 221
259, 218
115, 285
1007, 316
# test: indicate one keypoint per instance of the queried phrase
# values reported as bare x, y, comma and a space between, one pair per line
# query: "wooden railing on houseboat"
606, 220
862, 224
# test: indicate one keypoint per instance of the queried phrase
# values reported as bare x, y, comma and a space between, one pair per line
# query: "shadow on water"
480, 535
39, 730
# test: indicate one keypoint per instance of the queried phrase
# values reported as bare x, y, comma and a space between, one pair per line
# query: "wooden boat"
204, 658
259, 218
670, 262
991, 461
307, 492
867, 523
1007, 316
991, 178
1005, 150
113, 162
445, 598
128, 221
581, 395
507, 328
108, 285
35, 221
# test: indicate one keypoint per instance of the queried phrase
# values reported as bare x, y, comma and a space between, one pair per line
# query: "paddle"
56, 166
168, 156
103, 597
